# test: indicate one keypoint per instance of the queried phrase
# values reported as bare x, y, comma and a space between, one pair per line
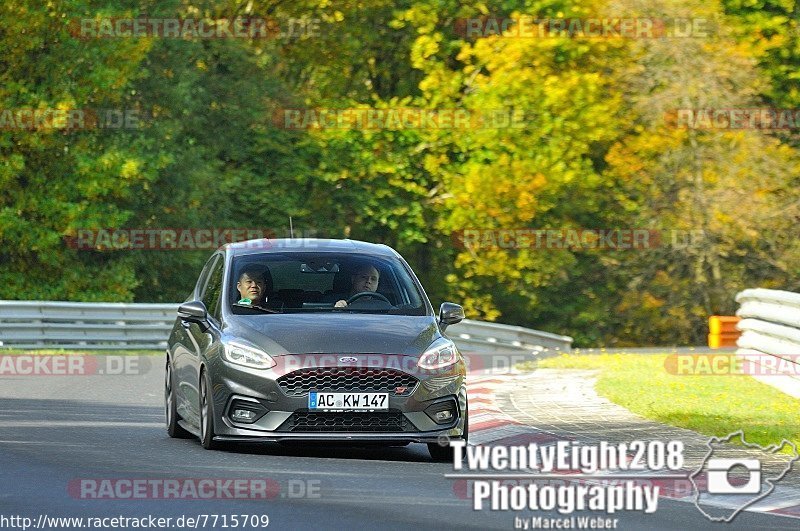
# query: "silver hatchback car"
314, 340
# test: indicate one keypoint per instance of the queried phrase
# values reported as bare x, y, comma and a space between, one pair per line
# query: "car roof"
310, 245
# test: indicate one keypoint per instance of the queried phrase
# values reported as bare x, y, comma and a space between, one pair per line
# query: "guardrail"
85, 325
771, 325
117, 326
494, 337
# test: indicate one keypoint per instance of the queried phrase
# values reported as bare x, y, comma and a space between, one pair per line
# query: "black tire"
446, 453
440, 453
207, 415
171, 407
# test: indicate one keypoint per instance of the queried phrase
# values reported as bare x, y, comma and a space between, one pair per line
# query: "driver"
365, 278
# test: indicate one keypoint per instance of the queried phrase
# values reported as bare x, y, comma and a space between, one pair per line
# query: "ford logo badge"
348, 359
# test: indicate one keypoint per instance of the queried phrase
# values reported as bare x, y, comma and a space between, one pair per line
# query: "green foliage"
773, 27
55, 180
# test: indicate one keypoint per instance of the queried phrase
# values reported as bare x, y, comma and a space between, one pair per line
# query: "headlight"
249, 356
442, 353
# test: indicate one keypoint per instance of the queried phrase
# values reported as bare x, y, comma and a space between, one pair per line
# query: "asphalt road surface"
59, 432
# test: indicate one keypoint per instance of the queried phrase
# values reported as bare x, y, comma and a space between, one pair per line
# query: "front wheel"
207, 414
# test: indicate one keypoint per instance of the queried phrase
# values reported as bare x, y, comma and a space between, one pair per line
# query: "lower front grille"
376, 422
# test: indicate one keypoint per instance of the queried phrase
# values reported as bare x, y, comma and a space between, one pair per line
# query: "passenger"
252, 287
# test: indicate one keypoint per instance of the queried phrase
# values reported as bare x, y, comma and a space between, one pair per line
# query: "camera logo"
736, 475
720, 478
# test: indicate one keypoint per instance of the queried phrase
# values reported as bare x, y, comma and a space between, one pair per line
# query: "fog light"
244, 415
443, 412
443, 416
245, 410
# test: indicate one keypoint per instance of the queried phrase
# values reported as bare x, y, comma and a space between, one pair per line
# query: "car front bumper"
234, 384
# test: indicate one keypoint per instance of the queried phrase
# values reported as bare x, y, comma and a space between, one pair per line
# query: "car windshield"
269, 283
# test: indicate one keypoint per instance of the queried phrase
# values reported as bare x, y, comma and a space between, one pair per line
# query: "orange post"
722, 331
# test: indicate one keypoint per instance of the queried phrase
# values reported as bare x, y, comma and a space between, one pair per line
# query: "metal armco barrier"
494, 337
771, 325
85, 325
90, 325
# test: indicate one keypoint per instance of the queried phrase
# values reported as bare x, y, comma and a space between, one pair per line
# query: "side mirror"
193, 312
449, 314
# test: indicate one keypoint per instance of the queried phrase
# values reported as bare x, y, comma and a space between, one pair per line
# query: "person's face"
251, 288
366, 280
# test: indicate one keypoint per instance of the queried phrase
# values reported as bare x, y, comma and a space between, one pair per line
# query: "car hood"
337, 333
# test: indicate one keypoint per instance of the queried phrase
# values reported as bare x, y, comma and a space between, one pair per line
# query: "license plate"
348, 401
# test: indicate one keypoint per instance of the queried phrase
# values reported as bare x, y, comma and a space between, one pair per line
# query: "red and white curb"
488, 424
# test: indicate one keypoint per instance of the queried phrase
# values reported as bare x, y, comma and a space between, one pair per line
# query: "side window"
213, 290
201, 280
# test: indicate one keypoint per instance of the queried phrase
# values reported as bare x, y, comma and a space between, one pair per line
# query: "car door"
202, 338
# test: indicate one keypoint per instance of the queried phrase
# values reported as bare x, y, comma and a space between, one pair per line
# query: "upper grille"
382, 421
358, 379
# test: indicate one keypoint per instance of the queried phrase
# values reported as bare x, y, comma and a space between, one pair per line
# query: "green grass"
64, 352
714, 405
